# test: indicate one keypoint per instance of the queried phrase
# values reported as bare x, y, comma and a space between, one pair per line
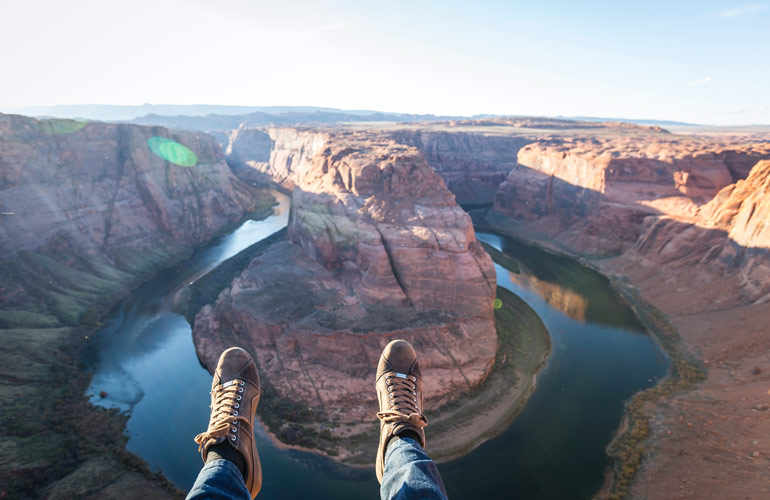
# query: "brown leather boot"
399, 390
234, 398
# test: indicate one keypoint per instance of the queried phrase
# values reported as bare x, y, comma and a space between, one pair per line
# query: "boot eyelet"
240, 382
232, 438
236, 413
237, 406
240, 389
239, 398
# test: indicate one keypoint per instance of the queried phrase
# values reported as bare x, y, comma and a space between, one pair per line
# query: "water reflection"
567, 286
555, 448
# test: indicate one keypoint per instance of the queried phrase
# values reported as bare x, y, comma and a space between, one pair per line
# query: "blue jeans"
409, 474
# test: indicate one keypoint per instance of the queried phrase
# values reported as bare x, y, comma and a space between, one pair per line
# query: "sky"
704, 61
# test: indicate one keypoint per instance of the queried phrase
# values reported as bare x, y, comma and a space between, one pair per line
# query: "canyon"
678, 222
89, 211
377, 247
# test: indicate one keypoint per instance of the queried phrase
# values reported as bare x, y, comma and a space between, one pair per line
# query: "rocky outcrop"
90, 207
728, 236
376, 209
87, 211
594, 194
378, 249
684, 219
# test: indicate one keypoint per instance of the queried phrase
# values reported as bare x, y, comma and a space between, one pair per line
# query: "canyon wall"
473, 165
87, 212
91, 208
273, 155
378, 249
683, 221
598, 195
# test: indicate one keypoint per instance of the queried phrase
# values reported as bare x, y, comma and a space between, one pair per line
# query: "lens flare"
172, 151
498, 303
60, 127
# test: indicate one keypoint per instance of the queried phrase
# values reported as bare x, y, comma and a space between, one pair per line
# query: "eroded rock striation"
683, 220
473, 165
378, 249
90, 207
87, 211
596, 194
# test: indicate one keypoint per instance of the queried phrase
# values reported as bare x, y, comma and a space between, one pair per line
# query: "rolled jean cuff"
219, 480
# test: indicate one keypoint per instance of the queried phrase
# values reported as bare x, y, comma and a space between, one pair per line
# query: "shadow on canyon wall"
588, 223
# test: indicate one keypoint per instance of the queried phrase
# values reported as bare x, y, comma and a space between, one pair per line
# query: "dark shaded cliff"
88, 211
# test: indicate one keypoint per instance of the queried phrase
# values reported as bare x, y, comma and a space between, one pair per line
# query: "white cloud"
703, 81
742, 10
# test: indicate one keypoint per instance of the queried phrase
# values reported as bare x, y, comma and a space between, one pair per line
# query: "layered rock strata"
90, 207
685, 219
473, 165
595, 193
273, 155
87, 211
378, 249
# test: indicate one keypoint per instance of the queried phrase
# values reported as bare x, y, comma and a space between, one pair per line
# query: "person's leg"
402, 467
410, 473
232, 469
219, 480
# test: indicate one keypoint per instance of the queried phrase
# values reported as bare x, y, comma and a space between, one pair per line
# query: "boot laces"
224, 413
404, 406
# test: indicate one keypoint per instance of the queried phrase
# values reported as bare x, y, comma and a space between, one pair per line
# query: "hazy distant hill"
659, 123
219, 117
260, 119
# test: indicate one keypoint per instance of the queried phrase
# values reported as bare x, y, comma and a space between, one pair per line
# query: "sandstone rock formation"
90, 207
87, 211
728, 236
379, 250
273, 155
595, 193
685, 220
472, 164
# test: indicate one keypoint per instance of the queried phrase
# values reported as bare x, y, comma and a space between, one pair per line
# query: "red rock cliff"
95, 208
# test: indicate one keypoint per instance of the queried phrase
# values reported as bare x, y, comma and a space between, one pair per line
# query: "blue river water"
145, 361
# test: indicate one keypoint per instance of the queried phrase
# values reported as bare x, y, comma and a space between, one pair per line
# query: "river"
145, 361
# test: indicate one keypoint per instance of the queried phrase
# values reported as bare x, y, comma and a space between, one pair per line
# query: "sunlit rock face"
378, 249
594, 193
655, 200
730, 235
97, 205
376, 209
